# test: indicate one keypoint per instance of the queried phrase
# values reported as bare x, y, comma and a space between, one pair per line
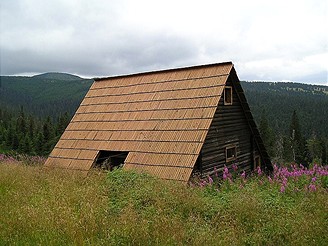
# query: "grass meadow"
56, 207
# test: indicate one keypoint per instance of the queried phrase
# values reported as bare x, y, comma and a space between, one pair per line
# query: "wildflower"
284, 181
313, 179
210, 180
225, 173
282, 189
259, 171
202, 183
312, 187
215, 172
234, 167
243, 175
270, 180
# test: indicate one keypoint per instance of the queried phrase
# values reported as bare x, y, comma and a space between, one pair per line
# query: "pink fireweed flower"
270, 180
282, 189
284, 181
225, 173
216, 172
234, 167
312, 187
202, 183
243, 175
210, 180
259, 171
313, 179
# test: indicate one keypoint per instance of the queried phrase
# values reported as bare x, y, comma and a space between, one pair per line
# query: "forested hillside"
277, 101
291, 117
49, 94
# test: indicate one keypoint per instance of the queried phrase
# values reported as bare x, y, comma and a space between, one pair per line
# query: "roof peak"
167, 70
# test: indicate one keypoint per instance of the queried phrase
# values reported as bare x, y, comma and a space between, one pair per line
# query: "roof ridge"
165, 70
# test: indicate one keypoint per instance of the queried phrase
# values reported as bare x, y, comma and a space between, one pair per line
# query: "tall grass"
57, 207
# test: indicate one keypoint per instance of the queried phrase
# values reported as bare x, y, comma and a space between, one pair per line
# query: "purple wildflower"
282, 189
225, 173
210, 180
216, 172
312, 187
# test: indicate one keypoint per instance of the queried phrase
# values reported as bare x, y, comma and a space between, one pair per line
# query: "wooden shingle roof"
161, 118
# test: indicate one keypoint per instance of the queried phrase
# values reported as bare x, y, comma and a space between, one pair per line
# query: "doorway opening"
109, 160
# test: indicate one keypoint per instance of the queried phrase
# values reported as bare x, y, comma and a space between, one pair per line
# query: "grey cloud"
128, 54
99, 38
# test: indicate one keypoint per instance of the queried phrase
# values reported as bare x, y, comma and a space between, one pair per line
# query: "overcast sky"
270, 40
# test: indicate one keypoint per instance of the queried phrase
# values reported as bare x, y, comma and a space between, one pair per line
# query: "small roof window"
227, 95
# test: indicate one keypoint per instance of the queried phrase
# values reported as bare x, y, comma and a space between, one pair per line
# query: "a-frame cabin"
169, 123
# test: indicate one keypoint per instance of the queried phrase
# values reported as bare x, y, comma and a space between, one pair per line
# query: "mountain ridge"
57, 76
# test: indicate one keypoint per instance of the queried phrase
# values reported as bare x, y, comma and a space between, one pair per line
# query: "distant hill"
45, 94
57, 76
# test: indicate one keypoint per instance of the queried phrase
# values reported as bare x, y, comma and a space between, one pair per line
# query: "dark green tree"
21, 126
314, 148
62, 123
48, 130
31, 126
324, 153
267, 135
297, 141
39, 144
26, 145
287, 152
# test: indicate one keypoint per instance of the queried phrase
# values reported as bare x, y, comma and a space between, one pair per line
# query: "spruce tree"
314, 148
324, 153
267, 135
21, 126
62, 123
287, 151
39, 144
48, 136
297, 140
31, 126
26, 146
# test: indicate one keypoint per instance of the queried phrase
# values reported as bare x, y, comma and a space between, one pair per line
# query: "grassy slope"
58, 208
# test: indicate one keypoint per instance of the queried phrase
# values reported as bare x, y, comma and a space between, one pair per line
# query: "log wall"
228, 128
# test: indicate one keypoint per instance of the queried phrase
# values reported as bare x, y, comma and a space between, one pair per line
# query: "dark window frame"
231, 153
228, 100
